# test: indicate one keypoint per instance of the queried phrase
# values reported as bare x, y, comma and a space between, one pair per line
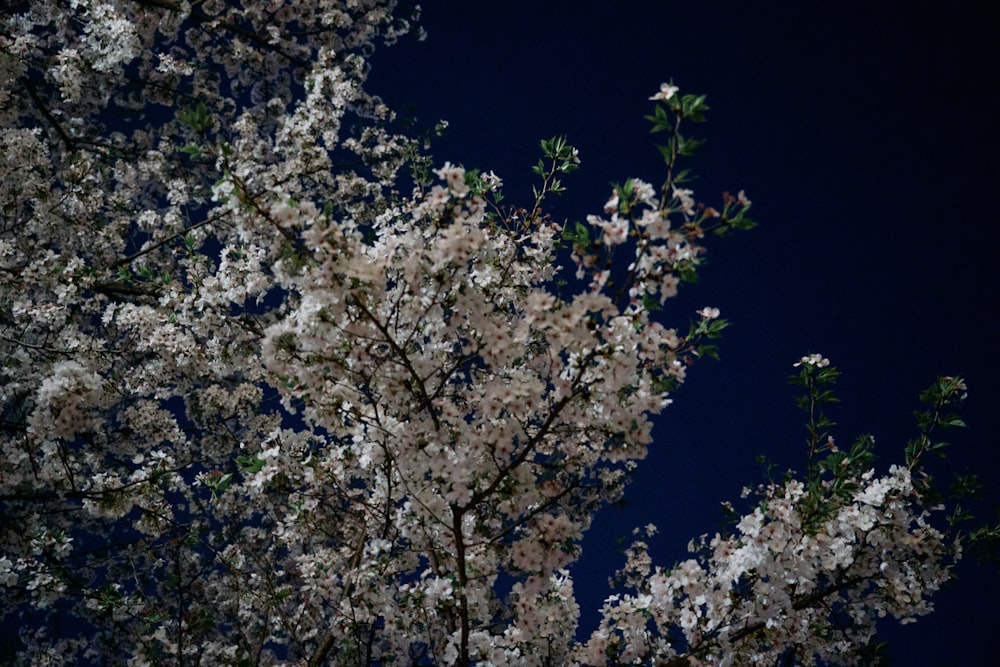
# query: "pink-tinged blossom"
615, 231
645, 193
455, 178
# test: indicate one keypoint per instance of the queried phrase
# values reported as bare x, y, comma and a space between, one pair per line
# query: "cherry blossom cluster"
491, 414
277, 389
781, 586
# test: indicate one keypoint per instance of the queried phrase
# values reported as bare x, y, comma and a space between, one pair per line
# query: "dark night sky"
863, 133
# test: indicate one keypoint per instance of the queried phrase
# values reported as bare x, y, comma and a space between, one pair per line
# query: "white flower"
686, 200
813, 360
492, 181
644, 192
454, 177
667, 91
615, 230
612, 204
170, 65
709, 313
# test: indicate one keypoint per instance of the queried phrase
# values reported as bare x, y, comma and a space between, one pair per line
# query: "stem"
804, 602
418, 382
668, 183
813, 437
128, 260
180, 607
36, 98
463, 601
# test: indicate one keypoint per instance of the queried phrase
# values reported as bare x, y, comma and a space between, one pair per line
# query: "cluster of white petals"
791, 579
274, 390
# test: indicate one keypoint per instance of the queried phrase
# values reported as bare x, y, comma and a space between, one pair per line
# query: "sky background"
865, 135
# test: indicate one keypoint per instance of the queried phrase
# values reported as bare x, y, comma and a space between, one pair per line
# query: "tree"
275, 389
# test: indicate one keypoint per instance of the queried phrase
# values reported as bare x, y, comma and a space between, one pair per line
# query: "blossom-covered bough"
275, 390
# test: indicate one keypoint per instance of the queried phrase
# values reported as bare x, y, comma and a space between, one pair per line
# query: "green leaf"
694, 107
688, 273
827, 375
714, 328
660, 119
191, 150
250, 464
688, 147
626, 191
578, 235
663, 384
741, 222
667, 155
707, 352
223, 483
683, 176
197, 118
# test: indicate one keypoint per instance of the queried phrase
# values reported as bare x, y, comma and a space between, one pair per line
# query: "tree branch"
804, 602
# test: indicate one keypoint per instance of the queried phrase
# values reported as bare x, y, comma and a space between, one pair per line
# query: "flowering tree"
276, 390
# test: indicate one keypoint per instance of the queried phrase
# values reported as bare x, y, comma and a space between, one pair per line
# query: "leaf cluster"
706, 329
563, 160
940, 399
197, 118
667, 117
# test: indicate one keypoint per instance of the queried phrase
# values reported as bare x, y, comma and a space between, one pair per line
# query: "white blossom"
264, 407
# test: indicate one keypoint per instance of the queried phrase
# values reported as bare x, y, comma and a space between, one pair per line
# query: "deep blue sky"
865, 135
